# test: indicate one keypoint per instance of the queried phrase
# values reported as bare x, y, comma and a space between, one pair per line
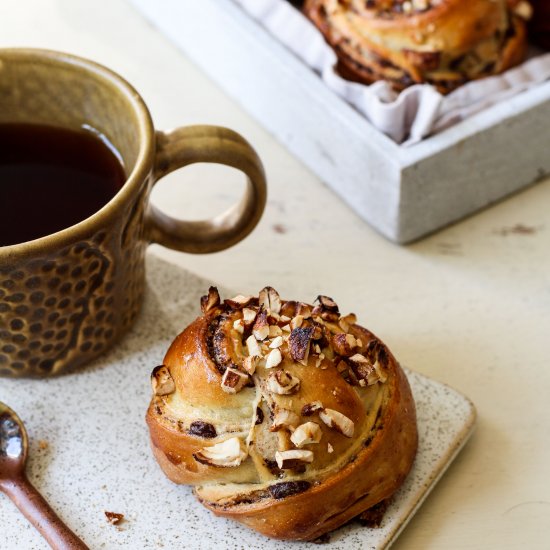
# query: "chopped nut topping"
289, 308
284, 419
274, 358
363, 369
344, 344
299, 341
343, 324
270, 299
370, 367
330, 448
238, 325
275, 331
306, 434
239, 301
327, 303
296, 322
283, 383
253, 346
338, 421
311, 408
226, 454
249, 315
284, 318
162, 381
286, 328
317, 333
332, 327
317, 348
288, 460
304, 310
277, 342
261, 327
332, 316
250, 363
233, 381
350, 318
211, 301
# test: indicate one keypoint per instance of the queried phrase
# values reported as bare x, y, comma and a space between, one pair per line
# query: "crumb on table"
113, 518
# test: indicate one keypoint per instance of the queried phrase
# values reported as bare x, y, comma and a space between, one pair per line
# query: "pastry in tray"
287, 417
441, 42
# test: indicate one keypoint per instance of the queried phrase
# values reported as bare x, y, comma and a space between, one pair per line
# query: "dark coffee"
52, 178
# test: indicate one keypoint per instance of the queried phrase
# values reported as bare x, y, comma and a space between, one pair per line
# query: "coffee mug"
67, 297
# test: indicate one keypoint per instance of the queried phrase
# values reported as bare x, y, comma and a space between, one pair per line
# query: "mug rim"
143, 163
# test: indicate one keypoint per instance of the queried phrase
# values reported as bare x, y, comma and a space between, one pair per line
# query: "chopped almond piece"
270, 300
338, 421
233, 381
239, 301
275, 331
253, 346
226, 454
162, 381
286, 419
273, 359
211, 300
249, 315
306, 434
311, 408
250, 363
328, 303
238, 325
277, 342
283, 383
260, 330
288, 460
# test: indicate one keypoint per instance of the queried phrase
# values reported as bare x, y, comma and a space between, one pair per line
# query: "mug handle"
212, 144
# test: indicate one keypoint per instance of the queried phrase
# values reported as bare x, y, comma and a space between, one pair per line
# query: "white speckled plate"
90, 452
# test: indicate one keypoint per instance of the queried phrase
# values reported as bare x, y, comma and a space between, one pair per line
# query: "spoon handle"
35, 508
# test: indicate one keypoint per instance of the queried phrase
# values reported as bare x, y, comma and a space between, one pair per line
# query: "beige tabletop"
468, 306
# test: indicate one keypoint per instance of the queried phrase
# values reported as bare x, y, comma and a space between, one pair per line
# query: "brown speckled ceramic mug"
67, 297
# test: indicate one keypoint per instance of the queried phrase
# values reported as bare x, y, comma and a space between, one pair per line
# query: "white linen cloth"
411, 115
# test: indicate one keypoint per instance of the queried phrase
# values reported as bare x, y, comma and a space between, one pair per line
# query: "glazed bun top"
272, 389
442, 42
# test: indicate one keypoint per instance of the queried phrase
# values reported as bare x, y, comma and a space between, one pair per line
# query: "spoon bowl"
14, 445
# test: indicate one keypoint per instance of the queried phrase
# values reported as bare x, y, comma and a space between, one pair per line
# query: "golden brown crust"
350, 391
378, 470
445, 42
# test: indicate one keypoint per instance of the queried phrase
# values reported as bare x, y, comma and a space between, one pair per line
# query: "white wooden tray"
89, 446
404, 193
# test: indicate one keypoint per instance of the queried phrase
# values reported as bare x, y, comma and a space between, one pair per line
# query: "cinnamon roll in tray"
442, 42
287, 417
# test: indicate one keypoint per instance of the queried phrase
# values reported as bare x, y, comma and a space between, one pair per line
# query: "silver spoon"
14, 482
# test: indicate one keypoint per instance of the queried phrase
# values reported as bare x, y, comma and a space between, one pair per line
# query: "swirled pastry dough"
442, 42
287, 417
